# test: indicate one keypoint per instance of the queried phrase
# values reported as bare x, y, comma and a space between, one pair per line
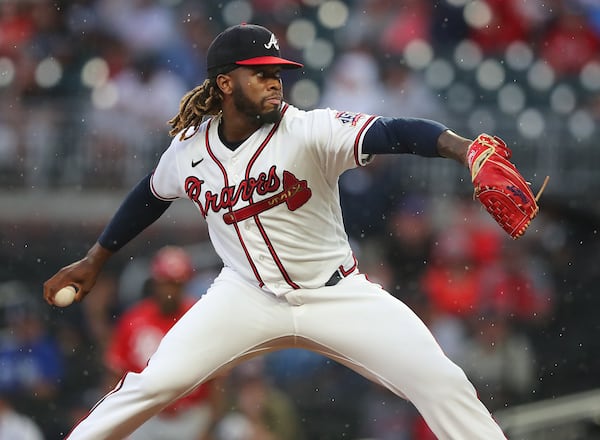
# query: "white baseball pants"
190, 423
355, 322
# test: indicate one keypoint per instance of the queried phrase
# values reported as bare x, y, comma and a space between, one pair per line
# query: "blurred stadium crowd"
87, 85
86, 88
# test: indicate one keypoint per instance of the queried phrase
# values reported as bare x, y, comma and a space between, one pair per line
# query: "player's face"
257, 93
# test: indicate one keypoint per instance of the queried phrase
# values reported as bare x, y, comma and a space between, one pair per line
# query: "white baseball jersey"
272, 205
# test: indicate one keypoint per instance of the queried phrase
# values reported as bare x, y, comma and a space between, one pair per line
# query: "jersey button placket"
233, 169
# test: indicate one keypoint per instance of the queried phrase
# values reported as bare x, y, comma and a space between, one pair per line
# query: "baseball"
64, 296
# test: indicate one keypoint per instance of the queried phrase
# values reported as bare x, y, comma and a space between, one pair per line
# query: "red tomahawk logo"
295, 193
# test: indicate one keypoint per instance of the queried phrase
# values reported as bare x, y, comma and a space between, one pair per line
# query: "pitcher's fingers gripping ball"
64, 297
499, 186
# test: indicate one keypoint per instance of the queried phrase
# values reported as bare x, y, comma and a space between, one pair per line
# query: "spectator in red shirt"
16, 27
515, 291
570, 43
137, 335
452, 281
507, 24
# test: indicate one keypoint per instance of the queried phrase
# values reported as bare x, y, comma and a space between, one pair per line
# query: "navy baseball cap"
245, 45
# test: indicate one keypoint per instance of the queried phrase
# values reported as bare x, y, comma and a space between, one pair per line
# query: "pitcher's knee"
449, 380
161, 386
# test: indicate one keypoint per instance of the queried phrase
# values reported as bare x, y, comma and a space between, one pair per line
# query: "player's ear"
225, 83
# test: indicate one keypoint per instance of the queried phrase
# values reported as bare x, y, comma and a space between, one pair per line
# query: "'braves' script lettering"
264, 183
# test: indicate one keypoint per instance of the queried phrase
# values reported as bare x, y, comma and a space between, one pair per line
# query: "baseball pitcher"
264, 176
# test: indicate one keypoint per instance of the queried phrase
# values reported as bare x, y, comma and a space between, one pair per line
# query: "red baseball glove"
499, 186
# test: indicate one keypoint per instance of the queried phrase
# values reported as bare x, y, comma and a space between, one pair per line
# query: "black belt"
335, 278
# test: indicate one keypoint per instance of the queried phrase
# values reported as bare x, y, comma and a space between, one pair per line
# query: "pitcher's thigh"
224, 325
377, 335
380, 336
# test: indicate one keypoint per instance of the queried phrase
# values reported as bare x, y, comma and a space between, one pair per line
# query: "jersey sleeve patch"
349, 118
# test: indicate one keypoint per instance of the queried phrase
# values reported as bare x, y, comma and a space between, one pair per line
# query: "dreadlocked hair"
203, 100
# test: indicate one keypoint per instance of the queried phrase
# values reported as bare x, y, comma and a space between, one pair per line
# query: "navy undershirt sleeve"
403, 135
138, 211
